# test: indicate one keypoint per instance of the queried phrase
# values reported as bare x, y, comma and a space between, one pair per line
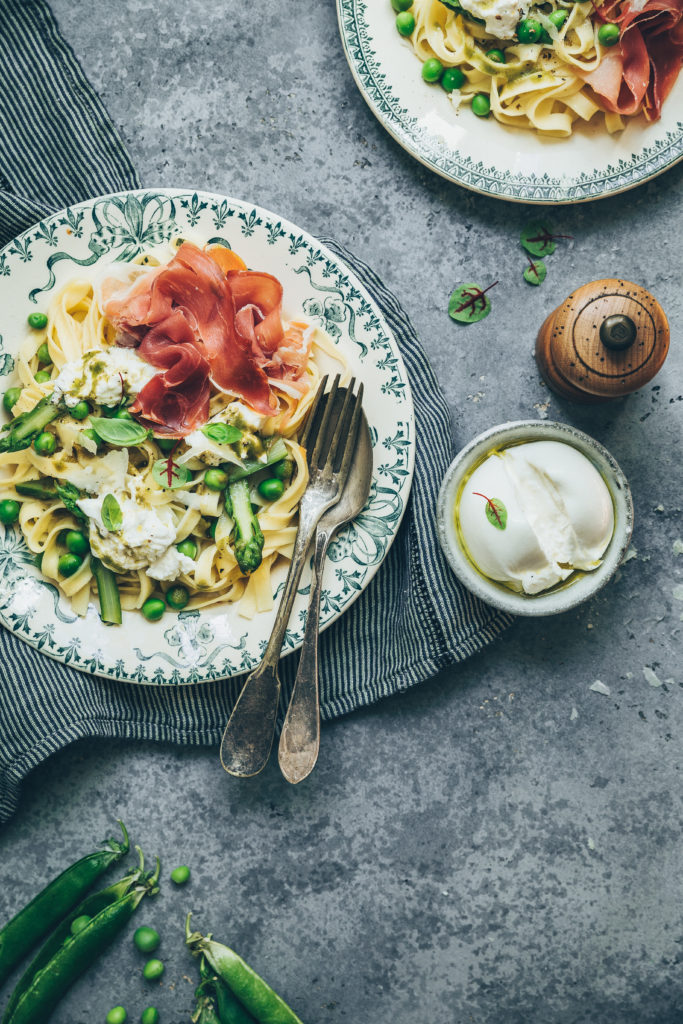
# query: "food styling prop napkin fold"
59, 147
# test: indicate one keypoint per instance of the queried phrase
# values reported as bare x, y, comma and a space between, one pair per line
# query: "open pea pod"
251, 991
214, 996
54, 902
65, 956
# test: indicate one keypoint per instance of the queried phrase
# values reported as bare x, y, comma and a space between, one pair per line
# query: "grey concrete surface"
503, 844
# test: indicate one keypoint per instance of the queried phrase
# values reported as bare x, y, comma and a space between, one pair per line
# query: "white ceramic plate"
482, 154
195, 646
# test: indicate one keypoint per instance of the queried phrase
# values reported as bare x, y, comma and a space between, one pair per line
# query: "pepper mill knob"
607, 339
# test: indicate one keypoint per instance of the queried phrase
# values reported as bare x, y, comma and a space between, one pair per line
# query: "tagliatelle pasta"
174, 523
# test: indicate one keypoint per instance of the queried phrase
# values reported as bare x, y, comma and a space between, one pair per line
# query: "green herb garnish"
169, 475
536, 271
537, 238
119, 432
469, 303
112, 516
496, 512
222, 433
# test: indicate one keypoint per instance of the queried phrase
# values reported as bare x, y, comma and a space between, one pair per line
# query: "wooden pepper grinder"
607, 339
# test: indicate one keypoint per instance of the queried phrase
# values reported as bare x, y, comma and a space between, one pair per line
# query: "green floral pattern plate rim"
483, 155
214, 643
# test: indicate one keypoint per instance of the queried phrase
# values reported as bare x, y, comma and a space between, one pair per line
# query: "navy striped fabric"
58, 146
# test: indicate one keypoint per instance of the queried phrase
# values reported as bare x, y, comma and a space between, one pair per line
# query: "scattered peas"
481, 105
271, 489
42, 377
150, 1016
283, 469
122, 414
608, 35
215, 479
153, 970
558, 17
9, 511
10, 399
167, 444
69, 564
79, 924
187, 548
91, 435
45, 443
76, 542
146, 939
117, 1015
43, 354
529, 30
37, 321
405, 23
497, 56
153, 609
177, 597
452, 78
401, 5
180, 875
432, 70
80, 411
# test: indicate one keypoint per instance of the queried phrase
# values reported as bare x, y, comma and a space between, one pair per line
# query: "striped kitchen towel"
57, 147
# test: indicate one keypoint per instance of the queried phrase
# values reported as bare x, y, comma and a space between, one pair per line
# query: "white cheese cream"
103, 376
501, 16
533, 514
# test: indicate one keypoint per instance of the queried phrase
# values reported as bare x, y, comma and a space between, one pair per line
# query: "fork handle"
300, 737
248, 736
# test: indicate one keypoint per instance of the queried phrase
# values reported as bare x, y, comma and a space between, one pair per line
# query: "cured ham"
228, 318
641, 73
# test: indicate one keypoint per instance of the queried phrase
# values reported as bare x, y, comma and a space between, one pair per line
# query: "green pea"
80, 411
117, 1015
271, 489
401, 5
558, 17
153, 609
42, 377
150, 1016
91, 435
283, 470
167, 444
45, 443
122, 414
529, 30
608, 35
69, 564
146, 939
497, 56
153, 970
79, 924
481, 105
37, 321
452, 78
188, 548
405, 23
10, 399
9, 511
180, 875
43, 354
177, 597
76, 542
432, 70
215, 479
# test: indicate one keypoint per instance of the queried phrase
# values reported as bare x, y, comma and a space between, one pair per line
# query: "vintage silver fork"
329, 438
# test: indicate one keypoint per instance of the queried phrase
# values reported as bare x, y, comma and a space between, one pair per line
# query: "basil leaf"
453, 4
469, 303
180, 475
119, 432
535, 273
112, 517
222, 433
70, 494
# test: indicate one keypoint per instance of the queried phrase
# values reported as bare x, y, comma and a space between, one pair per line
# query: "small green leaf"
222, 433
535, 272
537, 238
119, 432
496, 513
469, 303
112, 517
164, 470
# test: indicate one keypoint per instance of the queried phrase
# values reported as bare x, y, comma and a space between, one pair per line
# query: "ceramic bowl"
580, 586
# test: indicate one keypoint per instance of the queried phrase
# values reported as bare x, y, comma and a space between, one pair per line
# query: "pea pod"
55, 901
217, 994
65, 956
251, 990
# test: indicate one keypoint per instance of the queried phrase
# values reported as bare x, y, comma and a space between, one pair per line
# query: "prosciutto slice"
197, 323
641, 73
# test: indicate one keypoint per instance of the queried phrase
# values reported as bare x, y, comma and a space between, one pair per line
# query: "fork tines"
330, 433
